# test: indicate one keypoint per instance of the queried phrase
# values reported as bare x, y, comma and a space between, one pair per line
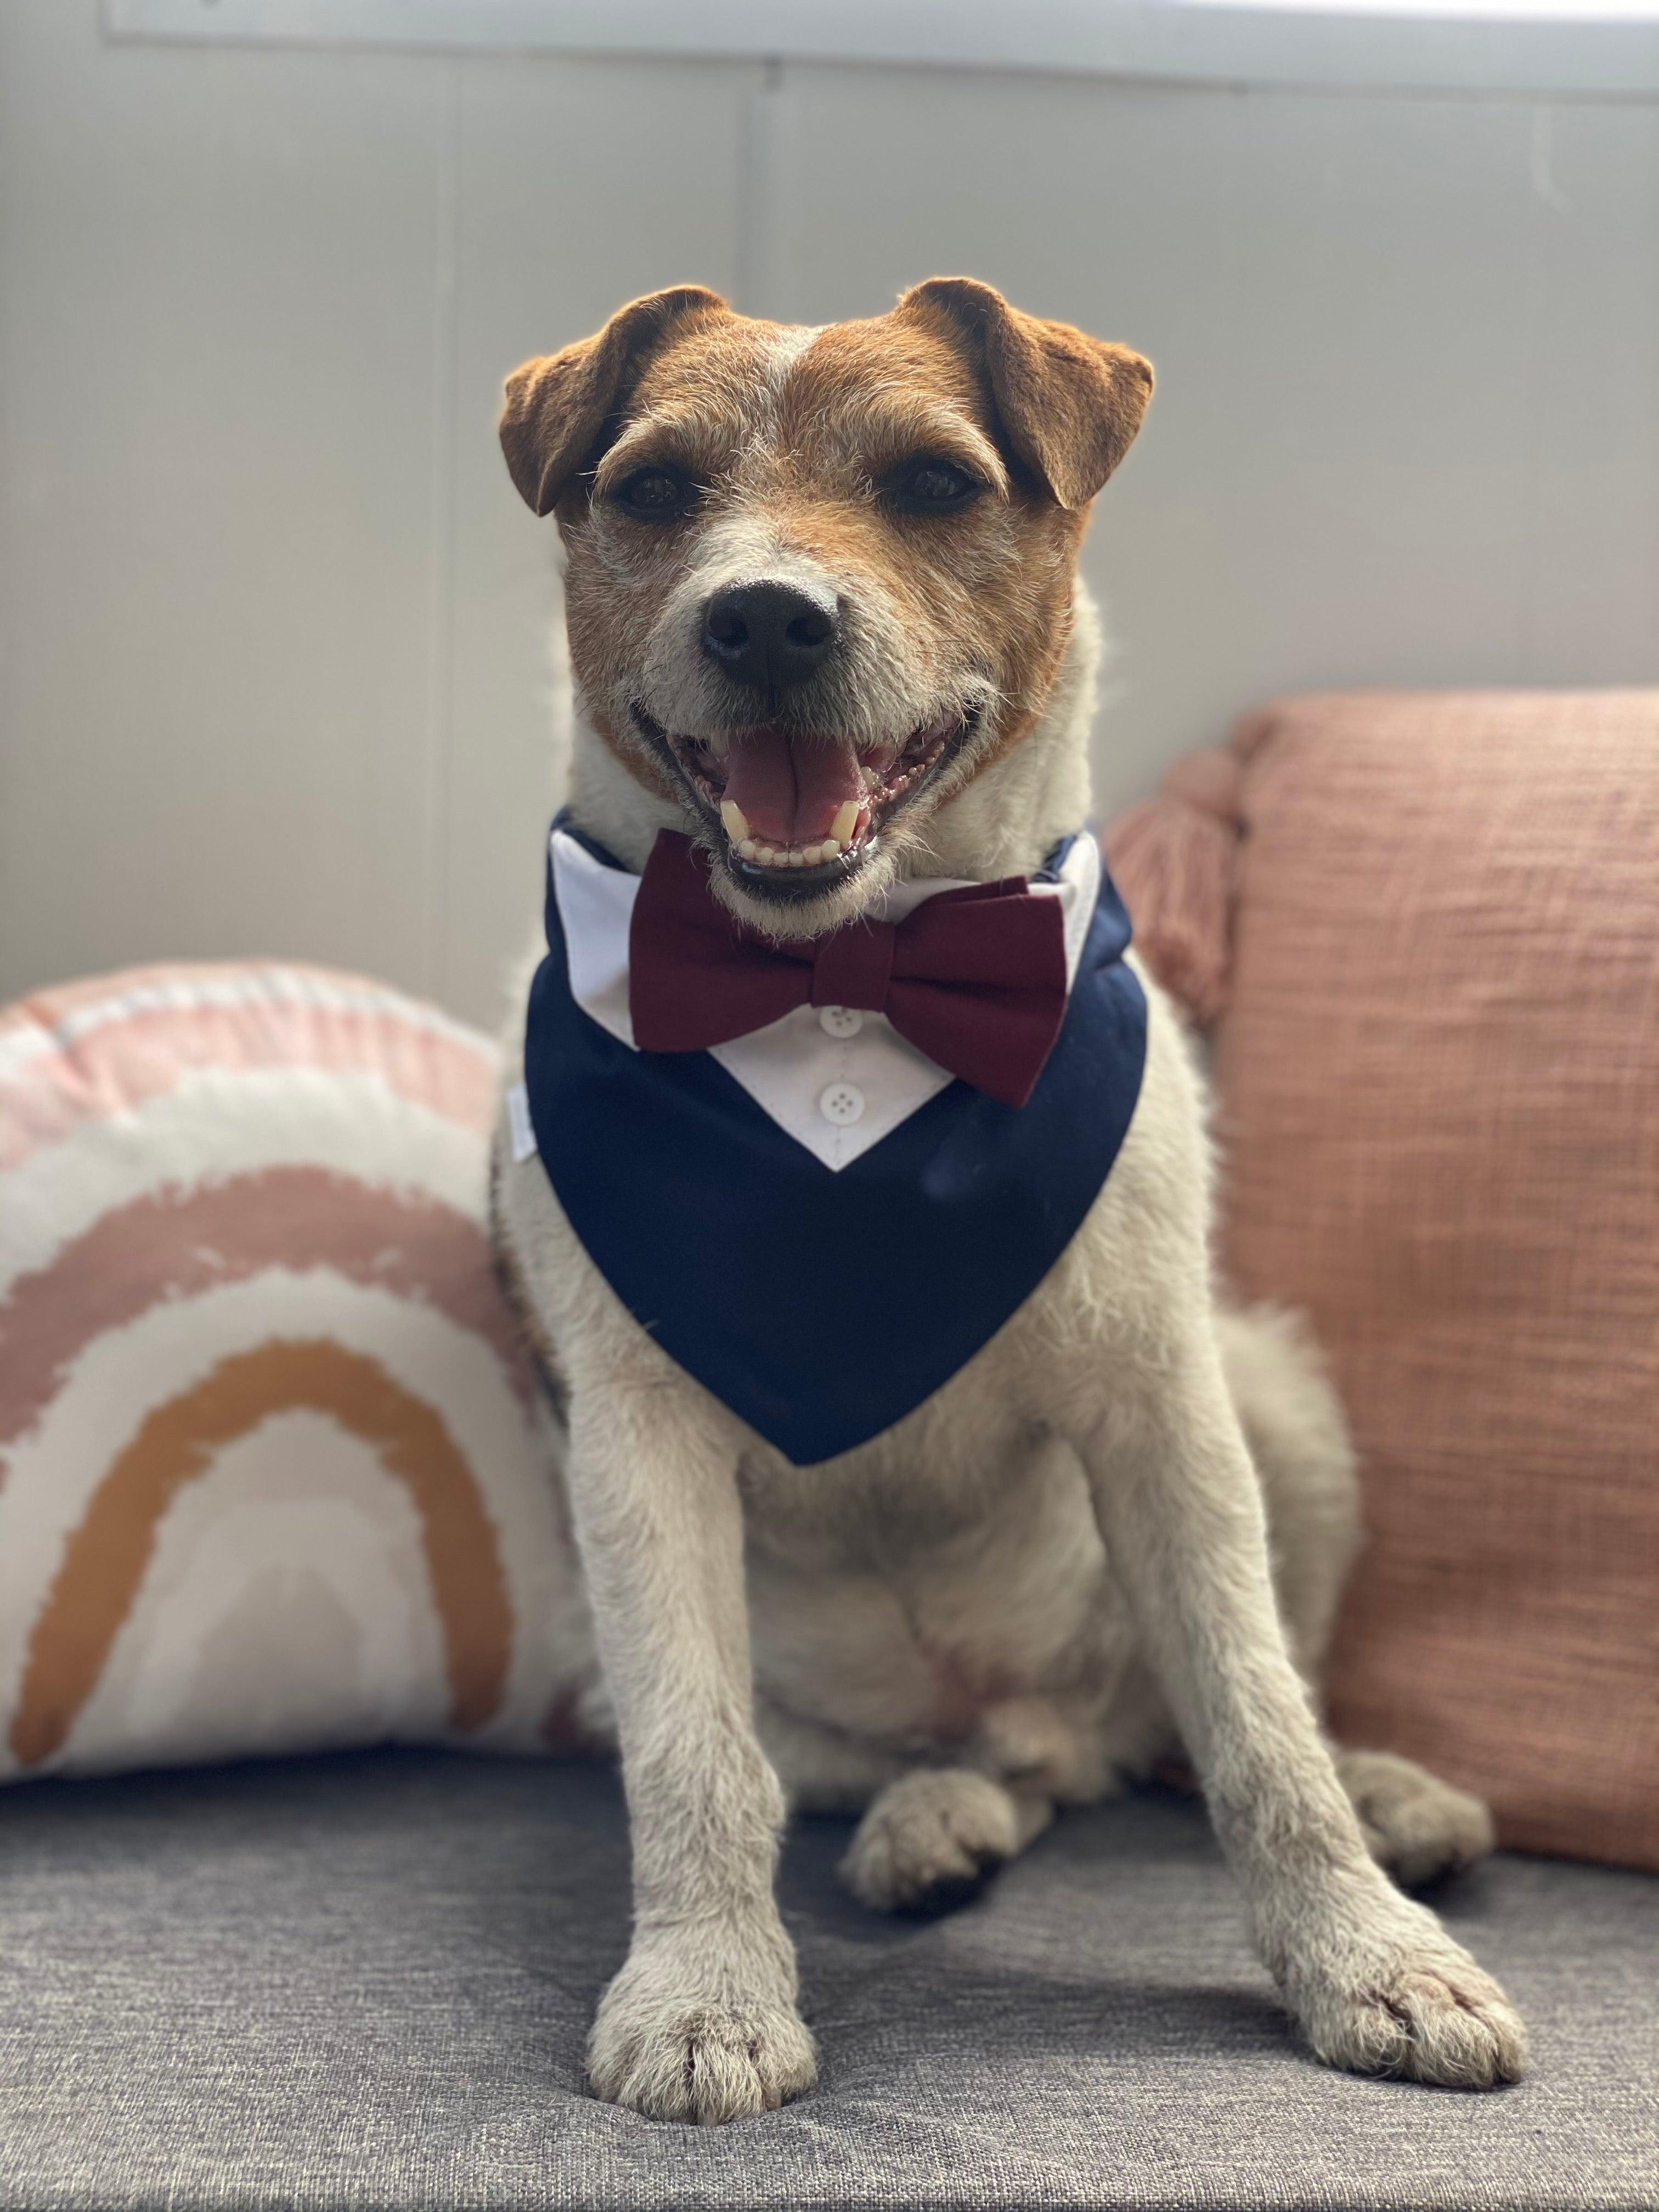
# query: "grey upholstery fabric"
364, 1982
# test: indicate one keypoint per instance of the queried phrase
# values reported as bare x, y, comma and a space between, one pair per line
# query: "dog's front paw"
933, 1838
1417, 2008
675, 2050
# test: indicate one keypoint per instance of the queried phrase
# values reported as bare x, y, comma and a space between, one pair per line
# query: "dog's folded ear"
1070, 405
556, 408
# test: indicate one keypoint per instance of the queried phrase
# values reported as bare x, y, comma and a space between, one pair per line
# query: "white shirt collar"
836, 1094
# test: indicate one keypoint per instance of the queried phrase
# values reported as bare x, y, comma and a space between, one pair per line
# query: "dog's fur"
1058, 1569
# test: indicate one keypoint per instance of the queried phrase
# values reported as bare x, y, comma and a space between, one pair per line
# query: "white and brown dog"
824, 618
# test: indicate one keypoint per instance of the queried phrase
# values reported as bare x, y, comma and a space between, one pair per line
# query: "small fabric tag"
518, 1115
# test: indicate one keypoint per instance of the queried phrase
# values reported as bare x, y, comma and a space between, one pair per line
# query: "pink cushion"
1427, 929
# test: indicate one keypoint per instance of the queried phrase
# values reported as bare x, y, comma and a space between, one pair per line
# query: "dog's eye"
655, 495
933, 487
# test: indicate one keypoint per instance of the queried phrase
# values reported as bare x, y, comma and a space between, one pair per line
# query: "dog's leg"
934, 1837
701, 2023
1305, 1462
1376, 1982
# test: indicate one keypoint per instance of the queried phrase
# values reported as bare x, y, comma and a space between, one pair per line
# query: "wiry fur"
1062, 1566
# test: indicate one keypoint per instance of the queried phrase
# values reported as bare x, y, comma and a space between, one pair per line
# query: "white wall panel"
216, 275
1592, 614
275, 634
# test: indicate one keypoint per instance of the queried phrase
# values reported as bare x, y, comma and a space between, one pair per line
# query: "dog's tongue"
791, 789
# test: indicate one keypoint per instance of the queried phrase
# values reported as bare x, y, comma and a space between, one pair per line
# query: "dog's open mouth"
799, 810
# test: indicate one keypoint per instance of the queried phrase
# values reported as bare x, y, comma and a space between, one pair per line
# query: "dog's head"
817, 580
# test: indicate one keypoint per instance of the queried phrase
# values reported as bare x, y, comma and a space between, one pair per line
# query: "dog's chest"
905, 1592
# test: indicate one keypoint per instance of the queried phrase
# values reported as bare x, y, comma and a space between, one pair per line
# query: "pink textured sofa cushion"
1427, 931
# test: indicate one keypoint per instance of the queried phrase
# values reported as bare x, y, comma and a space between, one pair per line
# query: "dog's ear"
1070, 405
556, 408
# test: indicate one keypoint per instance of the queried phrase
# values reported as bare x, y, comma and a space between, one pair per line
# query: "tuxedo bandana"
823, 1175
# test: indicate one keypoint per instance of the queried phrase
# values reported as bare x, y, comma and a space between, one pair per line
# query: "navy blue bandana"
821, 1305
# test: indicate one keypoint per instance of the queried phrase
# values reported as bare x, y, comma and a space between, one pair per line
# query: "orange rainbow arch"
109, 1552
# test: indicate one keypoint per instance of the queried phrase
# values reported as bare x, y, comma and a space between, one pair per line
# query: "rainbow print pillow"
273, 1473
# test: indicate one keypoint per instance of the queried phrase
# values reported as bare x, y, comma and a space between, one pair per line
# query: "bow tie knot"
853, 967
976, 978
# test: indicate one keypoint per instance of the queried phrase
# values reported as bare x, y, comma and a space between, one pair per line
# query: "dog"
1069, 1516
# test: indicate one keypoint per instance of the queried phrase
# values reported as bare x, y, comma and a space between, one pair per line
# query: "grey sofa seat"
364, 1982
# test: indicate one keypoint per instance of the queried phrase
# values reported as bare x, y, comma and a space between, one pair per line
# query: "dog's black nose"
769, 635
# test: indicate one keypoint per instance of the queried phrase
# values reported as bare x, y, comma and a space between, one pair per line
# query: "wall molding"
1613, 54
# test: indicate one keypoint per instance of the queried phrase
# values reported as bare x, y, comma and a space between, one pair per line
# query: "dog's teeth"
846, 821
748, 848
735, 820
765, 855
796, 858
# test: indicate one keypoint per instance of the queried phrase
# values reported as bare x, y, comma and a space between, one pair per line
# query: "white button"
842, 1104
840, 1021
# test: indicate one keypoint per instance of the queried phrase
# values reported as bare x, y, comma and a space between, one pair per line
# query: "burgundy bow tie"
974, 978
